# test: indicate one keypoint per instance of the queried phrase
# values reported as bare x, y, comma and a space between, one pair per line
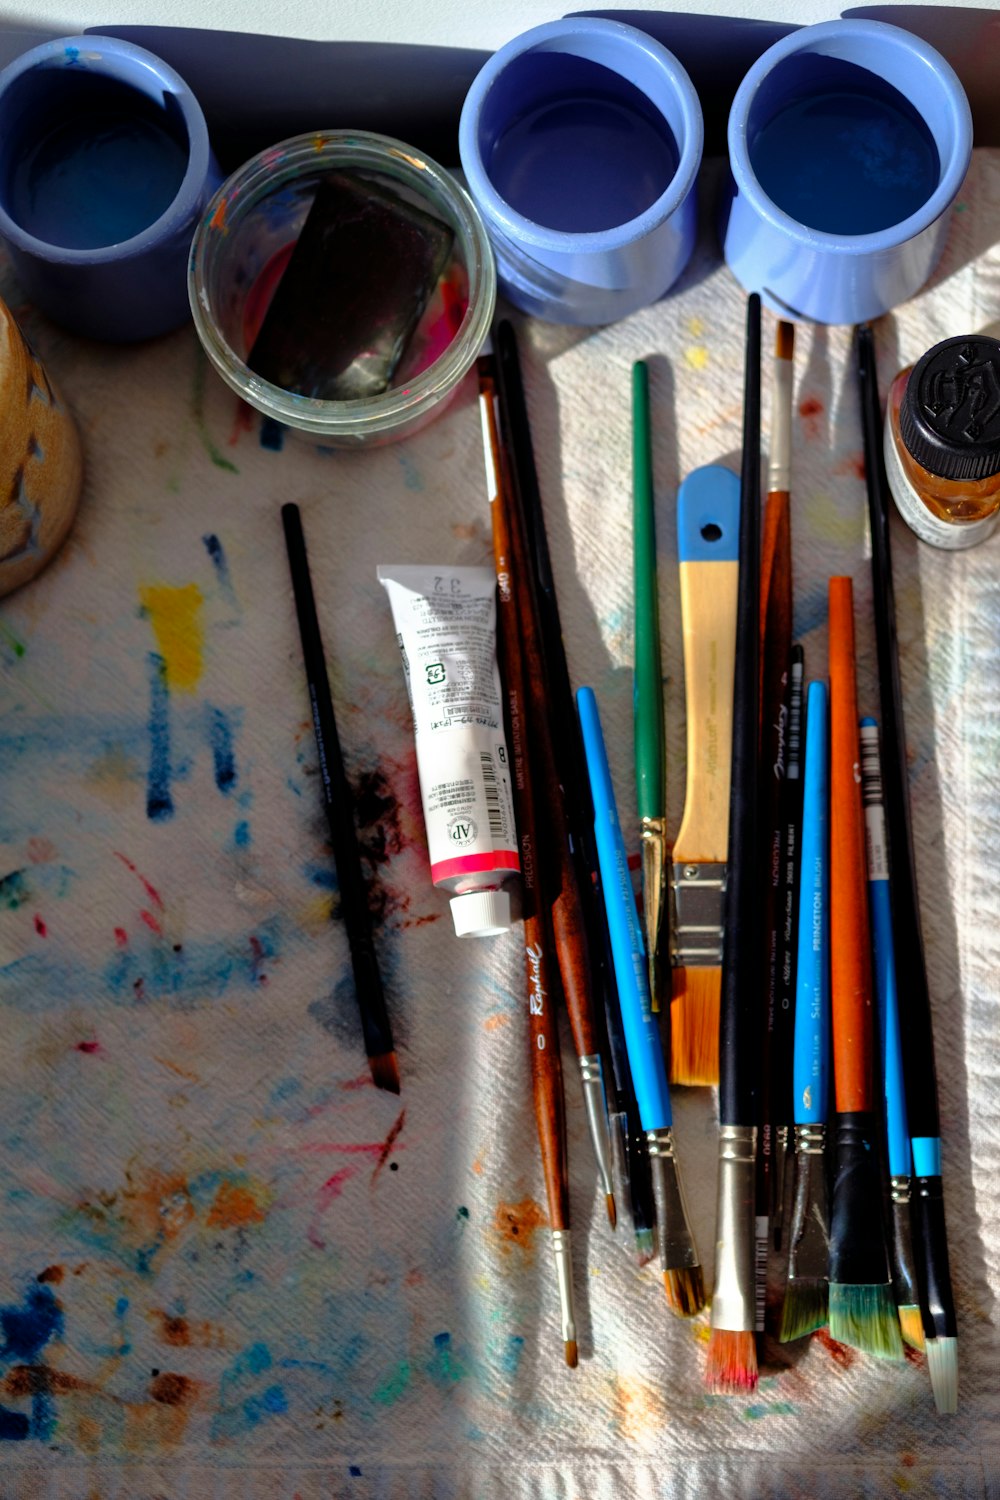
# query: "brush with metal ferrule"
862, 1308
904, 1274
679, 1260
930, 1237
708, 507
648, 676
732, 1349
807, 1294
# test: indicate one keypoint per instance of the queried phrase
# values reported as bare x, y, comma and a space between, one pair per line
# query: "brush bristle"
784, 340
570, 1351
609, 1199
911, 1325
942, 1363
806, 1308
732, 1363
685, 1287
694, 1027
865, 1316
645, 1246
385, 1072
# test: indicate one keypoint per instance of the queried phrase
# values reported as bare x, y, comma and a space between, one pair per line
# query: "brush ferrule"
654, 848
592, 1078
779, 472
810, 1140
734, 1298
618, 1136
562, 1253
698, 897
677, 1247
904, 1266
899, 1190
779, 1164
809, 1237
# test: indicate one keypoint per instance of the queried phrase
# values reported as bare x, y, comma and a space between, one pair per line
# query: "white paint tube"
446, 620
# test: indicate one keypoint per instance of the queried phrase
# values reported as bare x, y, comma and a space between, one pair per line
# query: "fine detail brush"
930, 1236
806, 1294
862, 1309
732, 1349
679, 1261
648, 677
708, 519
782, 1037
338, 805
560, 724
904, 1276
539, 956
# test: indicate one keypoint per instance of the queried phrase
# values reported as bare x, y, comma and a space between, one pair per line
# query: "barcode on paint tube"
760, 1272
493, 809
871, 770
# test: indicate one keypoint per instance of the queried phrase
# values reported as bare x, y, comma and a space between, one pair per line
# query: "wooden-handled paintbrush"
806, 1293
732, 1349
708, 519
930, 1233
862, 1310
539, 955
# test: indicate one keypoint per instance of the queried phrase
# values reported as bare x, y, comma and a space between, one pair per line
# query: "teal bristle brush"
904, 1276
807, 1292
862, 1307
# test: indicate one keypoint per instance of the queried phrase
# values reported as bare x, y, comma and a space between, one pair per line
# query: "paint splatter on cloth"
230, 1266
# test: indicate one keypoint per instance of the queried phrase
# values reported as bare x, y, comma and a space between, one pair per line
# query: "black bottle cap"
949, 418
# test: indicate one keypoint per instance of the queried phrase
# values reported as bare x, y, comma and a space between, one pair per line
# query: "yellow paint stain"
827, 523
696, 356
315, 915
902, 1483
494, 1023
113, 776
638, 1408
175, 615
235, 1206
701, 1331
175, 1068
696, 327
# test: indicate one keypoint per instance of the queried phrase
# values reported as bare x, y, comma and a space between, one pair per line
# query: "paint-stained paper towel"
228, 1266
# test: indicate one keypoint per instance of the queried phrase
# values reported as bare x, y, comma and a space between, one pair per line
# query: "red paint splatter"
242, 422
150, 890
363, 1081
257, 949
854, 464
40, 927
388, 1144
151, 922
810, 410
328, 1193
842, 1356
907, 1460
89, 1047
912, 1356
121, 936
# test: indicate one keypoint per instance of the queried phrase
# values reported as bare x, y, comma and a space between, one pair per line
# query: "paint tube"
445, 622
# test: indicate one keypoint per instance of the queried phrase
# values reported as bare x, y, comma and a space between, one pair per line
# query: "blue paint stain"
220, 563
28, 1328
412, 477
445, 1368
272, 435
510, 1357
241, 834
272, 1402
159, 802
354, 1471
323, 876
43, 1416
220, 733
14, 1426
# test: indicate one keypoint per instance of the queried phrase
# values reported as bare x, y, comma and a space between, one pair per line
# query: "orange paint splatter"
494, 1023
514, 1224
638, 1408
53, 1274
234, 1207
172, 1390
218, 219
842, 1356
179, 1333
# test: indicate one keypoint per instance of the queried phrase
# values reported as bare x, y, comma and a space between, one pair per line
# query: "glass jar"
246, 236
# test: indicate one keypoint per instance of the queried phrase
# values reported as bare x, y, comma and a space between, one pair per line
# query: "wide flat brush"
539, 955
862, 1309
930, 1236
708, 510
679, 1259
806, 1294
338, 804
732, 1349
900, 1158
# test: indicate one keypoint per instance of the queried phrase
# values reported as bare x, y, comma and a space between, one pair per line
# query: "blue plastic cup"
581, 142
105, 169
848, 143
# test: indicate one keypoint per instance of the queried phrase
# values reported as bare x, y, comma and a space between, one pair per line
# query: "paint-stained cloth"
229, 1267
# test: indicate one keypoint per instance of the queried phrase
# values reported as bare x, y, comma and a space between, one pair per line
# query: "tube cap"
949, 418
481, 913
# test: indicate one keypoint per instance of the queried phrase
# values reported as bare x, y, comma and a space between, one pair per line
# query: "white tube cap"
481, 913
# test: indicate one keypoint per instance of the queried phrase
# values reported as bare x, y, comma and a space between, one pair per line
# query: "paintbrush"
546, 1067
930, 1233
807, 1293
338, 804
650, 760
565, 885
862, 1310
708, 508
782, 1037
679, 1261
776, 643
904, 1276
732, 1350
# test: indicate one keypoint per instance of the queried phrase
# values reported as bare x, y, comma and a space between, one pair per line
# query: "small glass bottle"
942, 442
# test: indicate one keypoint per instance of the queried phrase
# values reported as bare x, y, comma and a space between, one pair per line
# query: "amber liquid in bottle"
954, 500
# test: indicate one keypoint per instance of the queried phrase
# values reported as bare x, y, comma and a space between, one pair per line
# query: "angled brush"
930, 1242
862, 1309
806, 1294
708, 519
732, 1349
